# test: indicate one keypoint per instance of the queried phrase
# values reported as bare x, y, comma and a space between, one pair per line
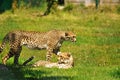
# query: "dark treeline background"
9, 4
5, 5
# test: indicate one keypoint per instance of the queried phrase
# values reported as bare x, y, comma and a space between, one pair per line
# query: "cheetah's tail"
5, 40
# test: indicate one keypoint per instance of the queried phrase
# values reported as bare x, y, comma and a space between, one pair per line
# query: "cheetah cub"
65, 61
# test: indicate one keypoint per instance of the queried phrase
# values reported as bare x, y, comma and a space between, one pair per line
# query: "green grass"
96, 52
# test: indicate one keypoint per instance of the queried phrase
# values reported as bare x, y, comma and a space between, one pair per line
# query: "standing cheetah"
51, 41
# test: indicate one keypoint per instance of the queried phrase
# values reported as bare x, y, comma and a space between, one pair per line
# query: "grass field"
96, 52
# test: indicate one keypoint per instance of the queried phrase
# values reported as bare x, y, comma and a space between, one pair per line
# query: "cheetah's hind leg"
8, 56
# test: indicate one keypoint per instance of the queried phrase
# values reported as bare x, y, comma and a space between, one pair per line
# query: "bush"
106, 9
118, 9
69, 7
5, 5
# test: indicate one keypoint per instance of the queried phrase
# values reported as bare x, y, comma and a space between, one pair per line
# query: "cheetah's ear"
66, 33
69, 54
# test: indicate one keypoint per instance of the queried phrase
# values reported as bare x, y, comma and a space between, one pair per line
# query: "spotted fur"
65, 60
51, 41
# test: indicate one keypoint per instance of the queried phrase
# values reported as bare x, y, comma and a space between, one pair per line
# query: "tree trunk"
97, 3
49, 6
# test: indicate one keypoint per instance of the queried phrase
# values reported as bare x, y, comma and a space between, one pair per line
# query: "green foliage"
5, 5
116, 73
106, 9
69, 7
33, 3
82, 5
118, 9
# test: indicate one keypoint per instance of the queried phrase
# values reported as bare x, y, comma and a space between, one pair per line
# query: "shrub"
106, 9
118, 9
69, 7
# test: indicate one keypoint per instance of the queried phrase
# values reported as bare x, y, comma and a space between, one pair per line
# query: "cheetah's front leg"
56, 51
49, 54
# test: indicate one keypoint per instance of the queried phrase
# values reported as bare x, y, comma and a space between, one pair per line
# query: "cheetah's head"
65, 58
70, 36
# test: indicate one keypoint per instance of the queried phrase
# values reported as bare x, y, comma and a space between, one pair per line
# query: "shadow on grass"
5, 73
21, 73
51, 78
116, 73
38, 75
28, 73
56, 78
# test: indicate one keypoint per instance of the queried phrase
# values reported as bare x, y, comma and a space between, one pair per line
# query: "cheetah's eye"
74, 36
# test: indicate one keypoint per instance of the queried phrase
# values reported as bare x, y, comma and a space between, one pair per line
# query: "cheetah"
51, 41
65, 61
